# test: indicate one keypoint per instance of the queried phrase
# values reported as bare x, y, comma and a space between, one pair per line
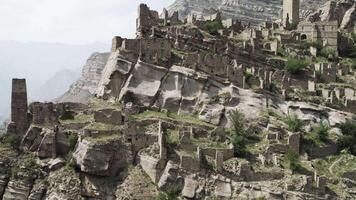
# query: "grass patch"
171, 116
103, 127
11, 140
78, 119
104, 138
205, 143
173, 137
98, 104
346, 163
179, 53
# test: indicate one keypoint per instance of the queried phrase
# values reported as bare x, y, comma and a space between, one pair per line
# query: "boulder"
143, 84
47, 147
32, 139
169, 177
38, 191
152, 166
17, 190
56, 164
108, 116
190, 185
102, 158
223, 190
212, 113
63, 184
114, 75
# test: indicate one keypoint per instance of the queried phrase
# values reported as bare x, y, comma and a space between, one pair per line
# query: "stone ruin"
19, 116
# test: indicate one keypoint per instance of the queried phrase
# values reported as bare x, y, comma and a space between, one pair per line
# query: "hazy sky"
70, 21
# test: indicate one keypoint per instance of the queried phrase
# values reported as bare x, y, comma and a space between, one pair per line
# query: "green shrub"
349, 62
170, 193
292, 26
239, 133
348, 139
69, 162
319, 133
67, 115
292, 159
72, 140
295, 66
306, 45
11, 140
282, 52
212, 27
239, 142
238, 122
294, 124
326, 51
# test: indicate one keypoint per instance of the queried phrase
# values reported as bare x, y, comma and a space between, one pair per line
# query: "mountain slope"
254, 11
37, 62
84, 88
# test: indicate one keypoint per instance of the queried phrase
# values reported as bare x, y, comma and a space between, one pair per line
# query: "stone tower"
291, 11
146, 19
19, 119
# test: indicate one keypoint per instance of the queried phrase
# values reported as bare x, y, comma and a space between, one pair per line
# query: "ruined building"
19, 119
290, 11
325, 33
146, 19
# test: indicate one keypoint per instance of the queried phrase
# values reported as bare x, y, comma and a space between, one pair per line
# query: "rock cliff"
84, 88
255, 11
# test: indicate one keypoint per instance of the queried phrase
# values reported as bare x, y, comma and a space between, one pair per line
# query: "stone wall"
321, 152
325, 32
44, 113
146, 20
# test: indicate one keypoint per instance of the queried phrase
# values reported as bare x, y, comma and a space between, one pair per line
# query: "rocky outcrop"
45, 142
255, 11
102, 157
84, 88
108, 116
187, 92
63, 184
152, 166
341, 11
17, 190
38, 191
114, 75
170, 177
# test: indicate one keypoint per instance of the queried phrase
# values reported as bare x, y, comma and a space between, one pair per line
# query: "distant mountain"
57, 85
39, 62
85, 87
254, 11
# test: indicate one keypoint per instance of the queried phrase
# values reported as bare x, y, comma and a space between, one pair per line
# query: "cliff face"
255, 11
83, 89
344, 12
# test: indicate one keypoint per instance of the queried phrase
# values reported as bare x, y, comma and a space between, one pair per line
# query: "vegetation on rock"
294, 123
212, 27
292, 159
348, 139
294, 65
238, 133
